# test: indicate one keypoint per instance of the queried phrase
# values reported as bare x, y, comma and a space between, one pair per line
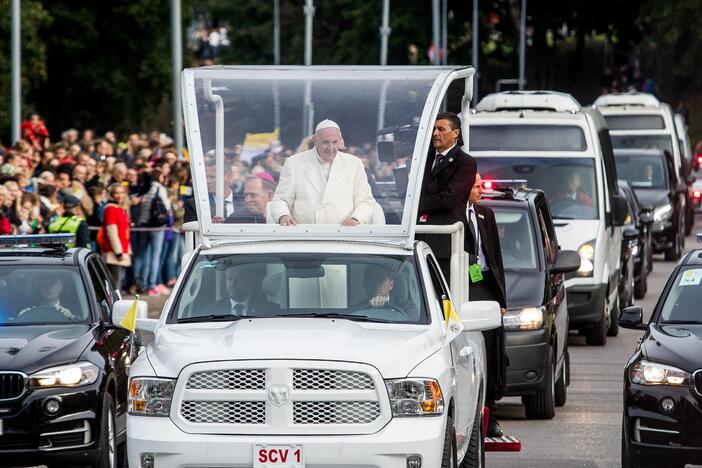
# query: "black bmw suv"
536, 322
63, 365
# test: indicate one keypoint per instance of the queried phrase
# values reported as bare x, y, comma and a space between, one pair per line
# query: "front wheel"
543, 404
597, 334
108, 457
641, 286
614, 321
475, 455
449, 460
562, 384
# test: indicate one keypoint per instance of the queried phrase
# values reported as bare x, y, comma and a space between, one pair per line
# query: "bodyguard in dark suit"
482, 242
448, 175
244, 295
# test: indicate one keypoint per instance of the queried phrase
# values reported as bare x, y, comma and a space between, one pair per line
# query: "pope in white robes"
323, 185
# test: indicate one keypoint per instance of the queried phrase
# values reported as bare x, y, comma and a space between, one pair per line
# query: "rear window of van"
635, 122
527, 138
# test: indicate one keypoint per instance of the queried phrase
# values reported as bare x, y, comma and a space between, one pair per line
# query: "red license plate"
278, 456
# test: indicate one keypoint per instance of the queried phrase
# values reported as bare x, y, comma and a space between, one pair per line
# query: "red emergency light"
697, 194
487, 184
699, 159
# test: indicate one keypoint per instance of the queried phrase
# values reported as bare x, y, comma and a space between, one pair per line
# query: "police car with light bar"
63, 366
536, 322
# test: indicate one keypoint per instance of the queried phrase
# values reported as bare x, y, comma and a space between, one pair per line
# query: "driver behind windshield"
243, 295
573, 191
49, 303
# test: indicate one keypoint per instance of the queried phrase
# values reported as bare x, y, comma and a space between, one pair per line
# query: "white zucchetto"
326, 124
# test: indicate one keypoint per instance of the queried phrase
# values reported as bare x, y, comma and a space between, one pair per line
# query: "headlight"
587, 259
70, 375
150, 396
662, 213
415, 397
528, 318
651, 373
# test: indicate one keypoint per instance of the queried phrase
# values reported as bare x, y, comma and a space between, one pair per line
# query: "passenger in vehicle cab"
190, 213
243, 294
487, 283
573, 191
379, 284
48, 307
324, 185
448, 175
258, 192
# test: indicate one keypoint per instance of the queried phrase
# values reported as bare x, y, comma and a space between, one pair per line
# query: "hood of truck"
572, 233
393, 349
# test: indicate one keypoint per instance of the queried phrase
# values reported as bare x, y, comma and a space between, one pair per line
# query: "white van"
313, 345
641, 121
563, 149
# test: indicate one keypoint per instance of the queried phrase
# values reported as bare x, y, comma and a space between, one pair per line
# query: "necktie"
238, 309
471, 228
437, 162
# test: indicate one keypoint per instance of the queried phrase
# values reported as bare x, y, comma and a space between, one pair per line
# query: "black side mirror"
646, 217
691, 179
566, 262
630, 234
386, 151
620, 209
632, 317
682, 188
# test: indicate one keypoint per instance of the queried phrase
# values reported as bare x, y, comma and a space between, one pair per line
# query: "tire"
614, 320
641, 286
561, 394
475, 455
675, 251
597, 334
543, 404
689, 221
108, 453
448, 459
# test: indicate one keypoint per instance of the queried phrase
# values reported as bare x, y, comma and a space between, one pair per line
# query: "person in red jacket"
113, 237
34, 131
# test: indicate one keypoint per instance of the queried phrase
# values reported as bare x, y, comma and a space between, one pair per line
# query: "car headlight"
663, 213
651, 373
70, 375
528, 318
150, 396
415, 397
587, 259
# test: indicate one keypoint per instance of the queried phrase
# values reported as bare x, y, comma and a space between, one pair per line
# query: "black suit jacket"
256, 306
490, 242
444, 195
190, 211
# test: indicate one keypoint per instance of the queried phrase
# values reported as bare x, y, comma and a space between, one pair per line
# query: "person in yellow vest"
70, 222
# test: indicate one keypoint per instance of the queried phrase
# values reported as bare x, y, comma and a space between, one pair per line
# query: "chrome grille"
229, 379
12, 385
324, 379
335, 412
224, 412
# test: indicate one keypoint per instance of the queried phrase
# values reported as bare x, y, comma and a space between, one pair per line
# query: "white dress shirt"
324, 165
244, 304
473, 218
440, 154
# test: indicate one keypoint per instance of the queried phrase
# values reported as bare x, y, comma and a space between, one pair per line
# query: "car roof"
693, 258
42, 255
520, 196
535, 100
627, 99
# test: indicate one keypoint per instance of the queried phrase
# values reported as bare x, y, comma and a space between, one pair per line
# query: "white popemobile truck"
318, 368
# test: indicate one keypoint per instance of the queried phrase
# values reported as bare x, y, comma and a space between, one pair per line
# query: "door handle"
466, 351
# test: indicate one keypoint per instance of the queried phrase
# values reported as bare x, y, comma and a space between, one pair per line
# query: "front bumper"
585, 304
663, 236
660, 438
387, 448
68, 437
527, 353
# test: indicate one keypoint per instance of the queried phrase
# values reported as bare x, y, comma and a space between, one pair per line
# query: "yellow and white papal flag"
129, 320
454, 326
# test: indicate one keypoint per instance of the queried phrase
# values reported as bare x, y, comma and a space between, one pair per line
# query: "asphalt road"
586, 432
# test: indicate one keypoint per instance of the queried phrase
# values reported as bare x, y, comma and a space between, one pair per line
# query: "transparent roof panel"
310, 149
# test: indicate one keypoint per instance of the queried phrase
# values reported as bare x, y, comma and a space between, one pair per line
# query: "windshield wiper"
681, 322
355, 318
562, 217
214, 318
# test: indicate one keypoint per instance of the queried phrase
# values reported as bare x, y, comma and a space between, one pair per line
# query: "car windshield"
685, 296
41, 295
356, 287
516, 238
527, 138
643, 171
661, 142
635, 122
569, 183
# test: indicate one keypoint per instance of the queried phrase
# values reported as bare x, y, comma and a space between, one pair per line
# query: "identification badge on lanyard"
476, 273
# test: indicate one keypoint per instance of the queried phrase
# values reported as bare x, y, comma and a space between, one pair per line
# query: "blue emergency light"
38, 239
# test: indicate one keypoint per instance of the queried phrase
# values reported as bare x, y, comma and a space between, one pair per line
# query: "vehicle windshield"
357, 287
661, 142
569, 183
317, 146
527, 138
41, 295
635, 122
684, 298
643, 171
516, 238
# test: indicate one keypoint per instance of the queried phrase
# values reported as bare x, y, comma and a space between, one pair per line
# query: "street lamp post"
16, 71
435, 30
177, 66
476, 82
522, 44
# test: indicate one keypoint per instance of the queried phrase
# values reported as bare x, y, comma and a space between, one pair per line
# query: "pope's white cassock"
305, 193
